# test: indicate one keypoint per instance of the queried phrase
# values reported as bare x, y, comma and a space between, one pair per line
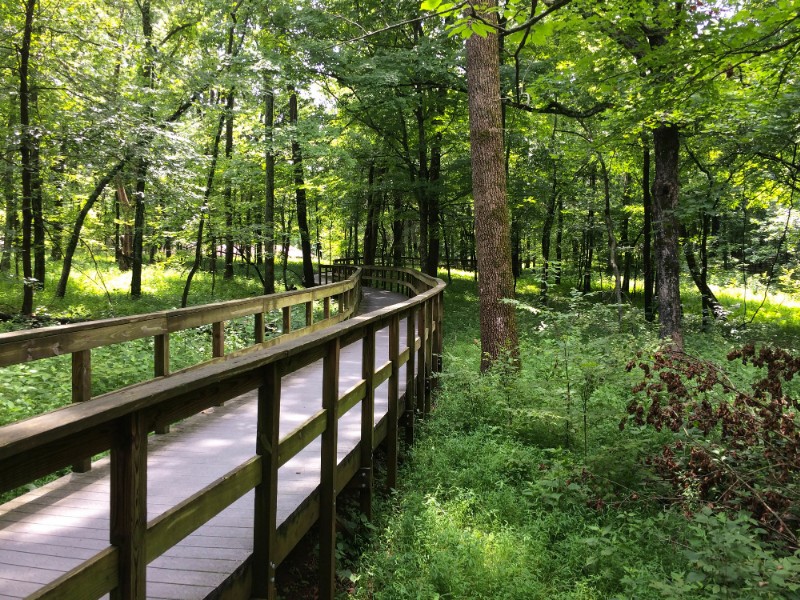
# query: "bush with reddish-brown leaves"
732, 449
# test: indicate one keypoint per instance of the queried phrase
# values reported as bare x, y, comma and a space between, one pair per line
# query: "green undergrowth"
523, 485
99, 290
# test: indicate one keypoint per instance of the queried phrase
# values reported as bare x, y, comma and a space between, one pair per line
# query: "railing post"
392, 416
129, 506
287, 319
439, 332
309, 313
367, 420
81, 392
218, 339
428, 353
326, 307
259, 327
327, 496
266, 493
161, 368
421, 358
161, 355
410, 367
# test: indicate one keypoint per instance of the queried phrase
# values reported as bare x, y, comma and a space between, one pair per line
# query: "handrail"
80, 338
121, 420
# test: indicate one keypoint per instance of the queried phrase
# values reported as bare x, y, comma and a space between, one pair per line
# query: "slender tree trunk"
373, 211
37, 205
647, 248
588, 256
198, 251
9, 196
398, 224
269, 197
228, 191
142, 164
612, 241
138, 227
492, 222
559, 239
665, 220
300, 194
27, 155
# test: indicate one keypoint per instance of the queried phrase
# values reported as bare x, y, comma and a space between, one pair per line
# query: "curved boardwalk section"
210, 508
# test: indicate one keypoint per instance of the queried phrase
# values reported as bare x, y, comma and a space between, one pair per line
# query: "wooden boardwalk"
51, 530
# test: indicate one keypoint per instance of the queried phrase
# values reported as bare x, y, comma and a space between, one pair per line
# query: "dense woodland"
625, 169
640, 139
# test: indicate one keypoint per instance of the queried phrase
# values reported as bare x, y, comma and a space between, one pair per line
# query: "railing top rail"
148, 324
102, 411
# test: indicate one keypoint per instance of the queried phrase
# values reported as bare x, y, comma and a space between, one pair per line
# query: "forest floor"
535, 483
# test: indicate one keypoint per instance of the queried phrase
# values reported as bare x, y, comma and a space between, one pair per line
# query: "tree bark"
228, 191
666, 141
647, 248
11, 227
492, 222
198, 251
27, 157
300, 194
269, 194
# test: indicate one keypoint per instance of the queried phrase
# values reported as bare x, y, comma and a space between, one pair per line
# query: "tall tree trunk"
142, 164
37, 206
11, 227
27, 157
588, 254
269, 195
300, 194
647, 247
138, 227
373, 212
666, 139
398, 224
612, 241
492, 222
228, 191
559, 239
198, 251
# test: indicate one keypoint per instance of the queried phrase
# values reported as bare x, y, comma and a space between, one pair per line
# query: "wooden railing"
79, 339
120, 421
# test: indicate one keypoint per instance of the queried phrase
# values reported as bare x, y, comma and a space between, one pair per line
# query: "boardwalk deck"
52, 529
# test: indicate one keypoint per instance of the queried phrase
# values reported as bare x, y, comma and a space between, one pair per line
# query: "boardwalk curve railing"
121, 421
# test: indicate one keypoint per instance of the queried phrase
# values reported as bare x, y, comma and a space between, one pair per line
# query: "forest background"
649, 157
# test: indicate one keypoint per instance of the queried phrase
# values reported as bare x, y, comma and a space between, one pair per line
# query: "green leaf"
430, 4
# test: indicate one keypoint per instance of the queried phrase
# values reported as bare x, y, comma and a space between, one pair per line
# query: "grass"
522, 485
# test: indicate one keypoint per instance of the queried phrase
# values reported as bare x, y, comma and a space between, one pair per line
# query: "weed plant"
522, 484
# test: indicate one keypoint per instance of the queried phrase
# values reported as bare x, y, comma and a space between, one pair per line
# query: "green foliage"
522, 485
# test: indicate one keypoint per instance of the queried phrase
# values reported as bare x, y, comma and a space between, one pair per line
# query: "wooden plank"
301, 437
171, 527
327, 511
367, 421
383, 373
129, 506
266, 495
90, 579
392, 412
309, 313
351, 397
48, 457
326, 307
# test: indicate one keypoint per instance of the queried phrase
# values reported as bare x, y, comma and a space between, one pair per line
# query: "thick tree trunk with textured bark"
666, 140
492, 223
